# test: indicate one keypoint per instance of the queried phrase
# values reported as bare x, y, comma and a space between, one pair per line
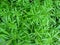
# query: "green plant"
29, 22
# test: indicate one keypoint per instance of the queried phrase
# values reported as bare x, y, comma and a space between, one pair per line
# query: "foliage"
29, 22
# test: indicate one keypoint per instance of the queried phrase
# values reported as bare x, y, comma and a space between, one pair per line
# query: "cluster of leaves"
29, 22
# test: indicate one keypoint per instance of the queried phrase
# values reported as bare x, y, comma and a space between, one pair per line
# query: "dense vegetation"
29, 22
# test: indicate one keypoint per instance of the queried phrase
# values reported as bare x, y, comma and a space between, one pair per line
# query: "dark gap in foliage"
58, 34
29, 31
4, 4
8, 29
24, 10
55, 40
32, 41
31, 1
13, 42
9, 2
57, 6
59, 19
53, 16
56, 19
8, 38
52, 11
24, 17
53, 2
2, 33
16, 40
32, 28
13, 18
25, 7
33, 37
28, 9
19, 26
19, 8
52, 23
1, 19
41, 2
12, 3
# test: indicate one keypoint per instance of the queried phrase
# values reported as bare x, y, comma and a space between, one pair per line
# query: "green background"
29, 22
